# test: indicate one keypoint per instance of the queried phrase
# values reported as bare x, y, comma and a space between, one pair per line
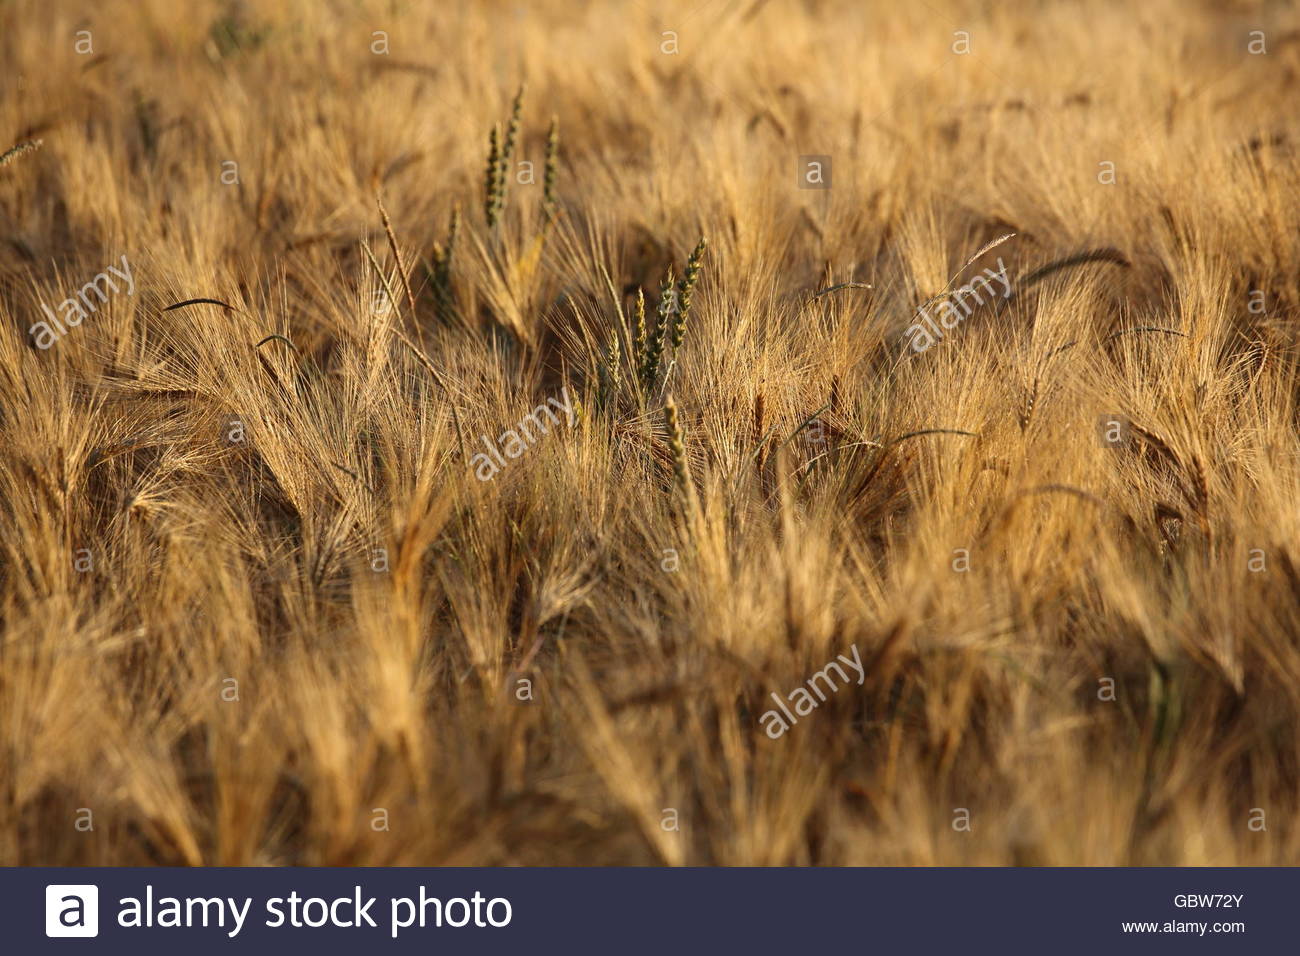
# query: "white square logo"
71, 910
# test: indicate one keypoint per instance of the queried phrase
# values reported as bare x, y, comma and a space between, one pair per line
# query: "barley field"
736, 432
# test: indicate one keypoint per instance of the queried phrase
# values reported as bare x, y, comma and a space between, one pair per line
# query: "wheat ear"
684, 289
493, 184
655, 345
552, 171
13, 152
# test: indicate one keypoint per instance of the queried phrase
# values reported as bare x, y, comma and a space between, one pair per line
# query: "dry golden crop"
350, 520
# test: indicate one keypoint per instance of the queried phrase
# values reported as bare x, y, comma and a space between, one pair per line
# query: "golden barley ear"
1027, 409
640, 342
676, 444
397, 254
13, 152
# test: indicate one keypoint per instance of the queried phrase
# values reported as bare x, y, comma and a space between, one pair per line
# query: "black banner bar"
1066, 910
